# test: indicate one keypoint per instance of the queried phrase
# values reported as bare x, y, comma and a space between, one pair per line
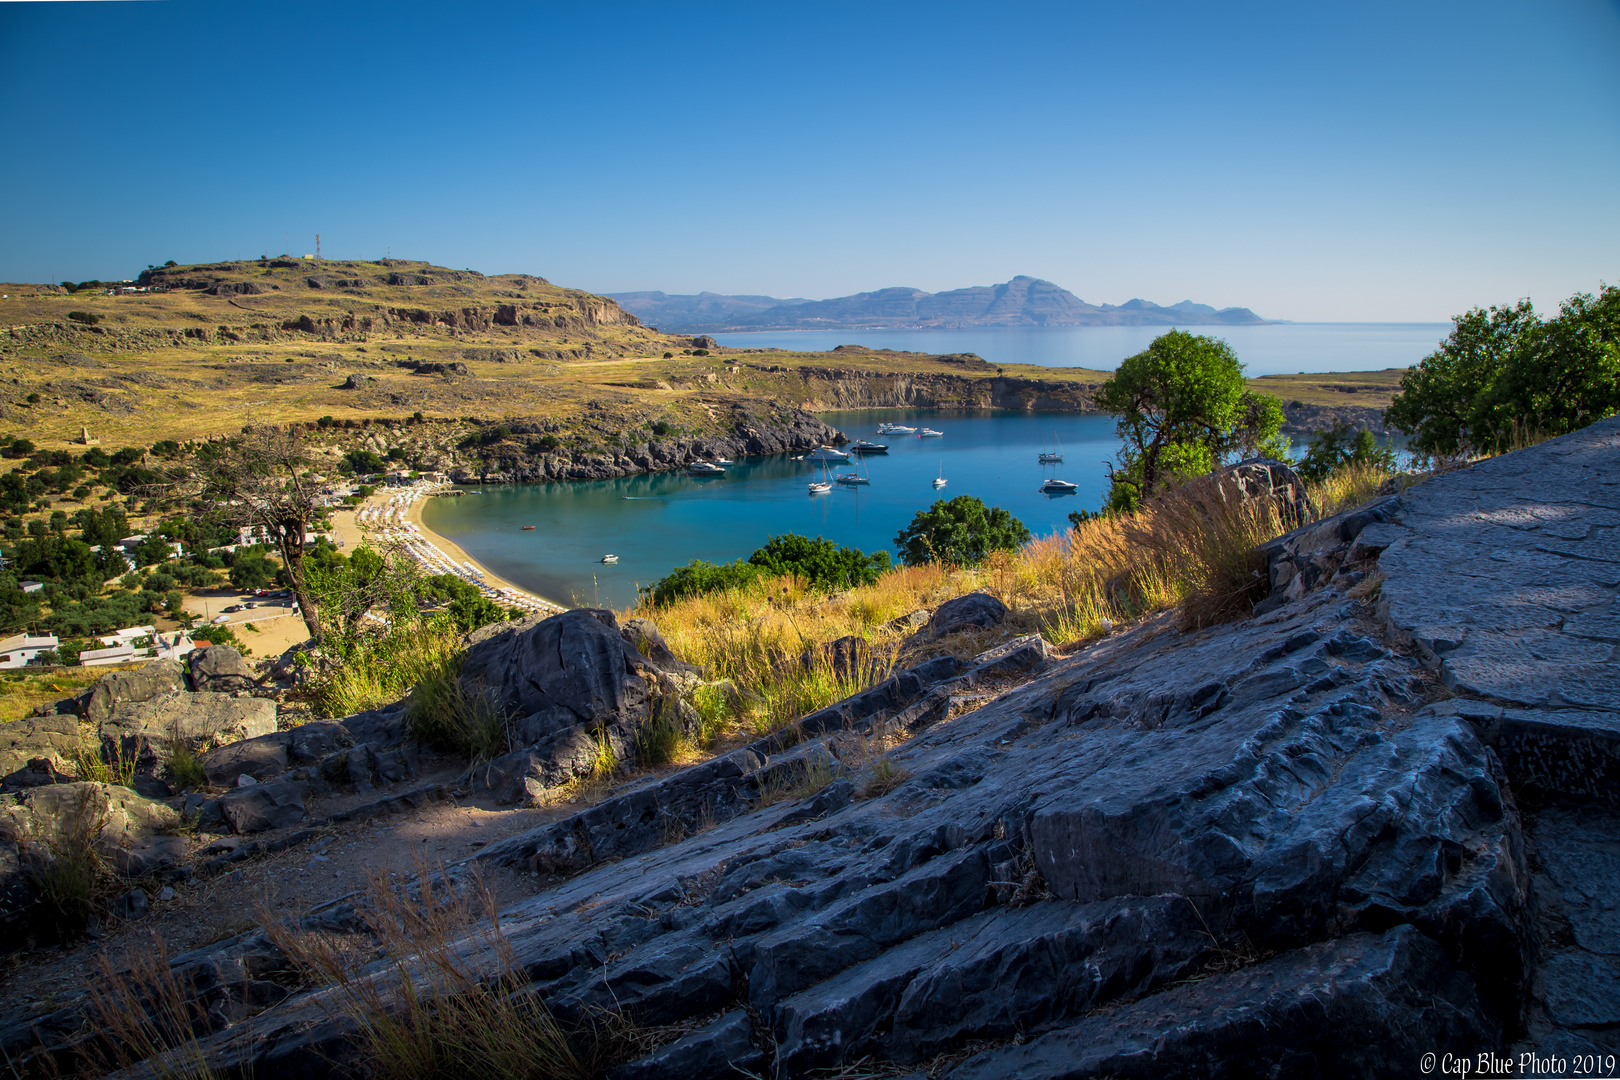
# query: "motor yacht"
1055, 486
861, 446
928, 433
704, 468
610, 558
826, 453
896, 429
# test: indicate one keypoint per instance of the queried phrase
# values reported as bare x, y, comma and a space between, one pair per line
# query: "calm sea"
657, 522
1272, 349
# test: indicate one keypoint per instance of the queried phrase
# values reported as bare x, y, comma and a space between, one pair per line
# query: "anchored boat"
861, 446
703, 468
826, 453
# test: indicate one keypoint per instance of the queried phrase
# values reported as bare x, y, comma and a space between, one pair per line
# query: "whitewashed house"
20, 649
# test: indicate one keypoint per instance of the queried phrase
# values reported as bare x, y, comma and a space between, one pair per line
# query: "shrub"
1343, 445
88, 318
961, 532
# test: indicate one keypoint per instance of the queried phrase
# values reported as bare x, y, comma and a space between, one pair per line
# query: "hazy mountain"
1023, 301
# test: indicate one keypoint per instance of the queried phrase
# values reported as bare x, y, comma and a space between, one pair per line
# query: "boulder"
704, 341
220, 669
975, 611
262, 807
355, 381
144, 730
644, 637
1267, 477
264, 757
53, 738
111, 817
134, 904
566, 671
120, 688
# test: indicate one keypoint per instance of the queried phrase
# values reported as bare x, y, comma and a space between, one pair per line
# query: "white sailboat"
822, 486
1053, 456
939, 481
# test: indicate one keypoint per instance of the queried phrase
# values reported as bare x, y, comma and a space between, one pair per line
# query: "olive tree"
263, 478
1184, 408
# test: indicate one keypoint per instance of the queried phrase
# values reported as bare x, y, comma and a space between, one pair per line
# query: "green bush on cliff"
819, 563
1505, 375
961, 532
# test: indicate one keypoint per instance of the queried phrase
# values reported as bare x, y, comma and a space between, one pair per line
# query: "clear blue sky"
1371, 161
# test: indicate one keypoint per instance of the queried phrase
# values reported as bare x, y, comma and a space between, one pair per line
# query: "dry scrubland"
224, 344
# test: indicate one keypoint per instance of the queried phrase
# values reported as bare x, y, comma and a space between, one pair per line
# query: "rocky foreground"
1374, 822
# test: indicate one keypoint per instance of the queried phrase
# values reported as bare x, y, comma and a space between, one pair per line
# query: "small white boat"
610, 558
928, 433
1053, 456
826, 453
704, 468
819, 487
939, 481
1055, 486
724, 461
896, 429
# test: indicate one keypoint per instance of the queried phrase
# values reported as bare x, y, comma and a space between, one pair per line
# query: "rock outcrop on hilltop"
1371, 823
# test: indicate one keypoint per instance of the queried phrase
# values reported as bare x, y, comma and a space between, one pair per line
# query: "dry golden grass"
1193, 549
448, 998
22, 691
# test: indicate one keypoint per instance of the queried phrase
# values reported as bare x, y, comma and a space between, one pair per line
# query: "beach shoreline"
413, 517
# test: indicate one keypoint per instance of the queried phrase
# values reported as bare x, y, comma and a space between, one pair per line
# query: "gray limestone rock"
220, 669
54, 738
121, 688
145, 729
975, 611
1362, 1006
261, 807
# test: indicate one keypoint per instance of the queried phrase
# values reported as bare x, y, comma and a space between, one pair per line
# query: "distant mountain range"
1023, 301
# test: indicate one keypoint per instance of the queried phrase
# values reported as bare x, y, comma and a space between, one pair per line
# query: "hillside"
553, 382
1023, 301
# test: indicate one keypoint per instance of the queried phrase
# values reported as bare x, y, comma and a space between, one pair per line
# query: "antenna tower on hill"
317, 247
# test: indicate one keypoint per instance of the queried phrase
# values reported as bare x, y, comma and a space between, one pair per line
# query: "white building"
19, 649
118, 654
31, 586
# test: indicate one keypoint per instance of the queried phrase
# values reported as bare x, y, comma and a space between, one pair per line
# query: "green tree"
251, 570
1504, 372
464, 605
821, 563
1183, 408
1341, 445
962, 531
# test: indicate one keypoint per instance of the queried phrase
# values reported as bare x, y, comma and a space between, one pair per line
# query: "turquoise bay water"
657, 522
1271, 349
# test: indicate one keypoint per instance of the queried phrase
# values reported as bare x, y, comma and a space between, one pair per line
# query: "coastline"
413, 517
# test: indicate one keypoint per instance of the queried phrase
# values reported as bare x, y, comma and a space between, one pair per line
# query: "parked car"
233, 608
217, 619
251, 604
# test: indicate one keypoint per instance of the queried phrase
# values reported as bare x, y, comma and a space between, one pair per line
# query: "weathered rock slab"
1361, 1006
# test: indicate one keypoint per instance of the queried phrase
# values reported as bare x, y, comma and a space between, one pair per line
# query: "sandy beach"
413, 516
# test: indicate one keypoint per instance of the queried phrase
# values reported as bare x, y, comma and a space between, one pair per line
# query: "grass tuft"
145, 1015
184, 765
91, 766
884, 778
443, 714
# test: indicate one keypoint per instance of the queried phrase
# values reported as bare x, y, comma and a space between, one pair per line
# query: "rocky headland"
1372, 822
